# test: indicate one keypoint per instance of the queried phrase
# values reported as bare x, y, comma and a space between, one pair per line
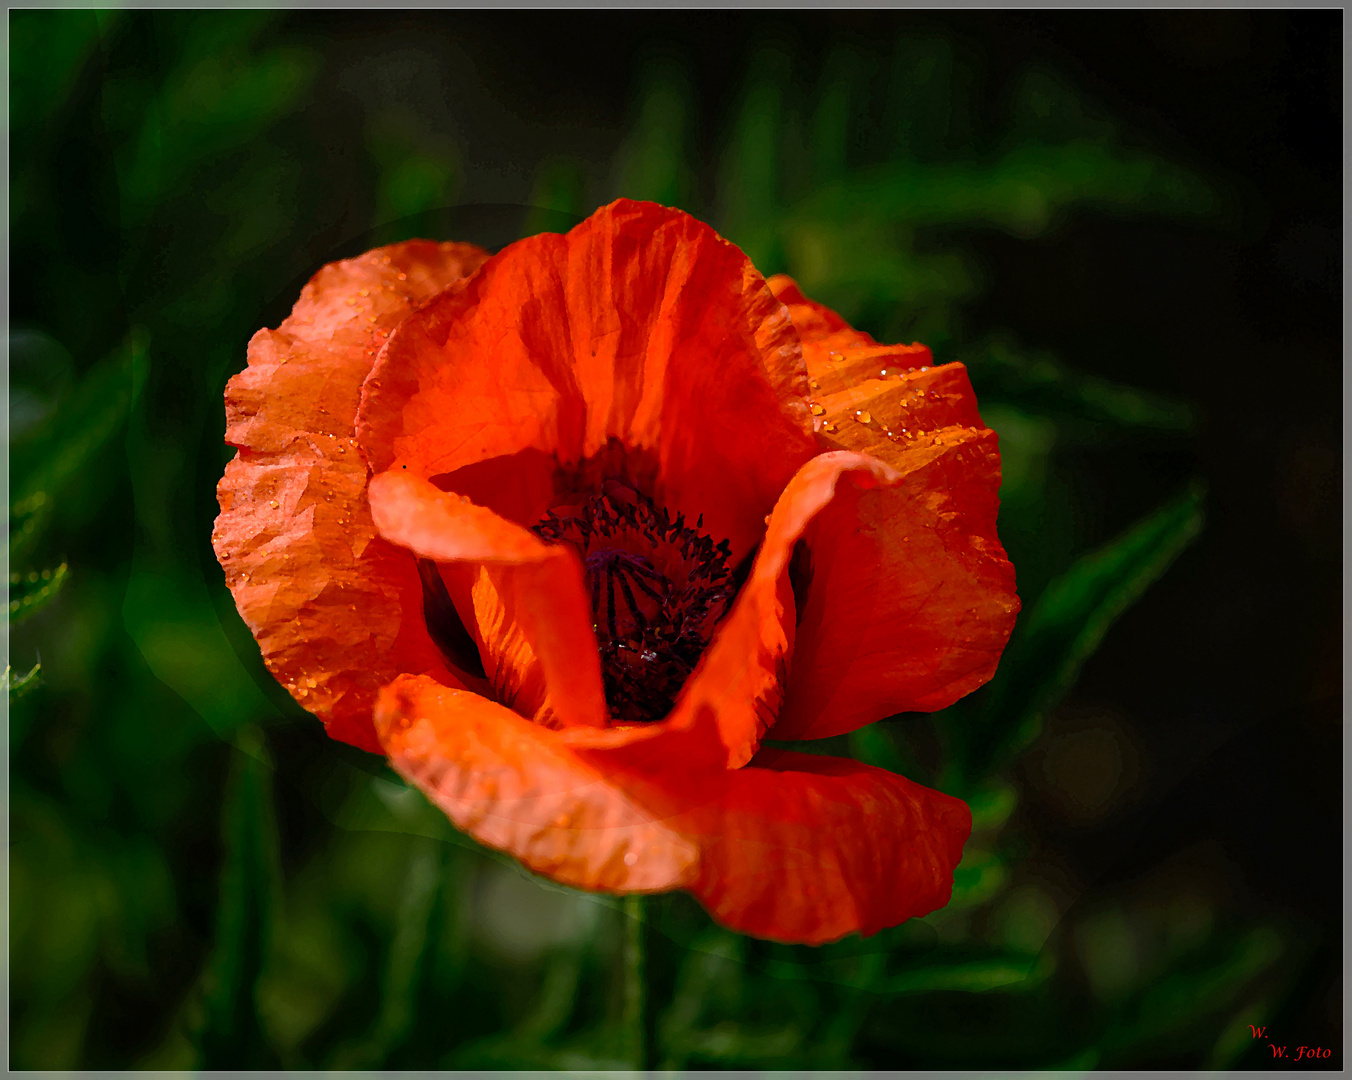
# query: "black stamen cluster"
651, 631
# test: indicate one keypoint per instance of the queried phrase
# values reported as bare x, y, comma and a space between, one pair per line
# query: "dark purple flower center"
657, 585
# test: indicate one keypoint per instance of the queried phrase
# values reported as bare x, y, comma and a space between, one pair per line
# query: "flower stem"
635, 984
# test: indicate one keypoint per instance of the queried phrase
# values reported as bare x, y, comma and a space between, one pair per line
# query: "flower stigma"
658, 586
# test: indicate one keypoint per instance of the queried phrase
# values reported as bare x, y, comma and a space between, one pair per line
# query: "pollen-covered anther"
657, 587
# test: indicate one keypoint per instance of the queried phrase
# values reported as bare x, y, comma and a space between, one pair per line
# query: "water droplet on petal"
863, 417
837, 357
273, 504
817, 410
630, 857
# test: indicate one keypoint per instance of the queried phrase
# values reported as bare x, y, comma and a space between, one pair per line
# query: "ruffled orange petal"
641, 327
794, 847
911, 598
336, 611
539, 587
808, 848
741, 677
522, 788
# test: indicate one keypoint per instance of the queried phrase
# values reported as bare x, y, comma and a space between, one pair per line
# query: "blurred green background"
1126, 224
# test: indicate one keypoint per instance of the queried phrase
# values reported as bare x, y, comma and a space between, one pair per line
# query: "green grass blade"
29, 592
403, 963
750, 180
1005, 973
47, 50
21, 685
654, 162
1023, 192
1041, 385
1070, 619
45, 466
231, 1035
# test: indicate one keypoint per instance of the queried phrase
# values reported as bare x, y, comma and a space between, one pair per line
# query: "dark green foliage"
178, 902
1068, 623
230, 1034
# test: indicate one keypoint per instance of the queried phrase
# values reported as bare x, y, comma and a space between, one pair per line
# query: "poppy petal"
795, 847
522, 788
912, 597
641, 327
337, 612
809, 848
741, 677
541, 586
886, 400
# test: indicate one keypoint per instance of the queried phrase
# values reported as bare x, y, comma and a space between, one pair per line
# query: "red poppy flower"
568, 531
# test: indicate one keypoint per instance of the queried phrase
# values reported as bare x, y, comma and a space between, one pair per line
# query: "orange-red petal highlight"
912, 598
742, 674
337, 612
794, 847
544, 583
641, 326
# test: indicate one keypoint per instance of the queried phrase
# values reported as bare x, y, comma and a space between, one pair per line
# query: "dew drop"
863, 417
813, 383
273, 504
938, 441
828, 426
884, 373
817, 410
630, 857
837, 357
